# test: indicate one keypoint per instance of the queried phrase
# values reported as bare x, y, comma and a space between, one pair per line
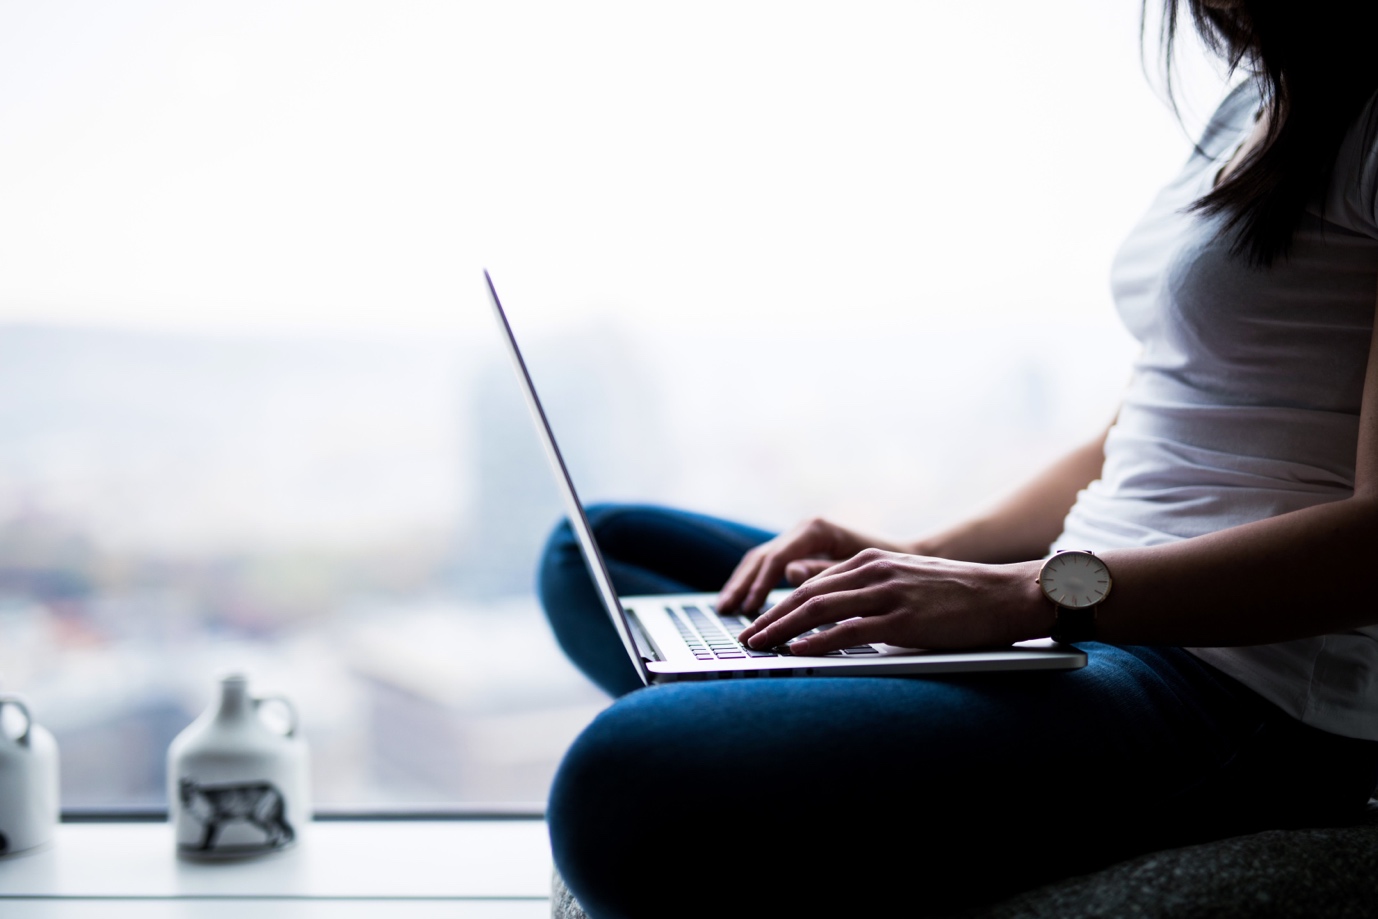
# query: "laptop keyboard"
710, 636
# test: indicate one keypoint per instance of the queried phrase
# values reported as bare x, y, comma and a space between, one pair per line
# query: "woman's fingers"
786, 606
865, 569
799, 572
771, 570
736, 593
817, 612
735, 588
768, 617
813, 604
859, 560
762, 567
907, 600
848, 634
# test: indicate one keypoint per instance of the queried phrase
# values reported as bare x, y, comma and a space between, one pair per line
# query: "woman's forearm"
1308, 572
1023, 525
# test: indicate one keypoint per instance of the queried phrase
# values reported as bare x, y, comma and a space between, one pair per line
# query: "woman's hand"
909, 600
796, 555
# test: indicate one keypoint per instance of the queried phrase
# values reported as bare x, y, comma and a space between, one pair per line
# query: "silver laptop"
673, 637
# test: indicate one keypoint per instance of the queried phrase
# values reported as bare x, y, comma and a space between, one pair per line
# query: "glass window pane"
770, 259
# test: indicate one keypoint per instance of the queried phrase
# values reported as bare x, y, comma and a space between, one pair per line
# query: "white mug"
28, 783
237, 786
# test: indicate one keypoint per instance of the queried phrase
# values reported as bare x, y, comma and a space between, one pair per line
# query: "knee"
561, 572
608, 794
562, 557
638, 769
562, 545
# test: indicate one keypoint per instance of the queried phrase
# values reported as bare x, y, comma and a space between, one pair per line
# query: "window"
772, 259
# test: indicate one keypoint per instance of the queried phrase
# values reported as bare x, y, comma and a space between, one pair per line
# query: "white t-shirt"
1244, 401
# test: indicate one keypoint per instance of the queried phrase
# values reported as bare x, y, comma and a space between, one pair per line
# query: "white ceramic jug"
237, 786
28, 782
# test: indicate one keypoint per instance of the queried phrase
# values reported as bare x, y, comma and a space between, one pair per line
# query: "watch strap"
1074, 624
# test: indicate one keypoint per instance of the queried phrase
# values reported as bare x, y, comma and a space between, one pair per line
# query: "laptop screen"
598, 570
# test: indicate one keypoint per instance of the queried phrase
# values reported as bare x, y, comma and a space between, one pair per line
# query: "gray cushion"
562, 902
1331, 872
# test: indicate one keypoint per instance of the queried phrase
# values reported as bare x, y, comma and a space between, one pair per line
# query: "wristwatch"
1076, 581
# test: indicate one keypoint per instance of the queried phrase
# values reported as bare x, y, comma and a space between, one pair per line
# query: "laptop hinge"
644, 646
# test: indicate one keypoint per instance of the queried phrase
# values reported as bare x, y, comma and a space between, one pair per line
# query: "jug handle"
23, 738
285, 703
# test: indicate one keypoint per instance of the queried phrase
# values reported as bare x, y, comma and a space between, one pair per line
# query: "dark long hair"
1315, 63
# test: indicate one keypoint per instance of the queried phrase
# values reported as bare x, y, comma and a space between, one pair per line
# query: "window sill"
340, 868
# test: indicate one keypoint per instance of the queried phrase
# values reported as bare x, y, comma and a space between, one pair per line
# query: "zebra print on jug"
238, 786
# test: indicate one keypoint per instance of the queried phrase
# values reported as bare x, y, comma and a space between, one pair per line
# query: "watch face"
1075, 579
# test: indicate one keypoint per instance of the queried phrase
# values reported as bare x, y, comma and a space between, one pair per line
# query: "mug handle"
23, 738
285, 703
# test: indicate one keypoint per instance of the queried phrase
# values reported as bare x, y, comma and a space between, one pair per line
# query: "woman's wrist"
1029, 614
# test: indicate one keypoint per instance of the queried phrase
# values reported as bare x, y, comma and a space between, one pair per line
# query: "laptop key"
865, 649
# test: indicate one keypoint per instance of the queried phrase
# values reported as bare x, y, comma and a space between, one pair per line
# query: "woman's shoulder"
1229, 119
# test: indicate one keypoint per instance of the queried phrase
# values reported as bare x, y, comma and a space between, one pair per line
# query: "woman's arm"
1020, 527
1307, 572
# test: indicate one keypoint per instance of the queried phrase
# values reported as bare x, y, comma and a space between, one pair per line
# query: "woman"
1233, 680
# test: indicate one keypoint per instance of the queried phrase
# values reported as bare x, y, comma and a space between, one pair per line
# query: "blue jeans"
814, 795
